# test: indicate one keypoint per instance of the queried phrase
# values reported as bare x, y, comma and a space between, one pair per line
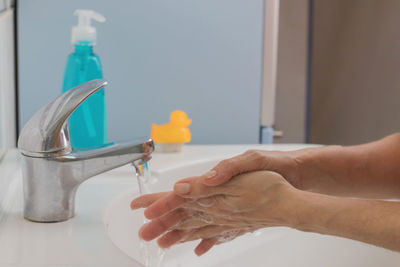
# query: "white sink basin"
269, 247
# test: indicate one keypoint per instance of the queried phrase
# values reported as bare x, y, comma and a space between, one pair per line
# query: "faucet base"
44, 220
47, 197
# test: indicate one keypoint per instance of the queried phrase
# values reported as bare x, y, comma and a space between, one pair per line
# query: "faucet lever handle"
47, 131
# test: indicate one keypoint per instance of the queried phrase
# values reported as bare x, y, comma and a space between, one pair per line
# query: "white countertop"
82, 241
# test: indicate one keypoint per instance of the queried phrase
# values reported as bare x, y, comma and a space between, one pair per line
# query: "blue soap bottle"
87, 124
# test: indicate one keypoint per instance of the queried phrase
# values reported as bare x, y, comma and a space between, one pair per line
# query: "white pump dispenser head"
83, 32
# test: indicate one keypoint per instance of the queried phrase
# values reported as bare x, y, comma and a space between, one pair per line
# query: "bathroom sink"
277, 246
104, 230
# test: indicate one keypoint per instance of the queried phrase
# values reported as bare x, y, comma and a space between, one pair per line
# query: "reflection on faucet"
52, 170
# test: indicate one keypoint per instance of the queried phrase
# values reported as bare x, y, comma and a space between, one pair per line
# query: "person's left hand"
245, 203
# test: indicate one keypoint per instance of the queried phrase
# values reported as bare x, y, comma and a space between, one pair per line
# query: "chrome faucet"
52, 170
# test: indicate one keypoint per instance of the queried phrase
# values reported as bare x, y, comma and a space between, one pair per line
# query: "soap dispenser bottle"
87, 124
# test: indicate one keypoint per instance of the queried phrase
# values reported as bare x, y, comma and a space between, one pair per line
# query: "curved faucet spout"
95, 161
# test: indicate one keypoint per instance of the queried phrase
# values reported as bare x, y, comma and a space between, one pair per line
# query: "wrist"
314, 167
318, 213
295, 213
303, 162
305, 212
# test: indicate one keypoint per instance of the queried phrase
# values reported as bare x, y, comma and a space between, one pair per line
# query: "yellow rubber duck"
176, 131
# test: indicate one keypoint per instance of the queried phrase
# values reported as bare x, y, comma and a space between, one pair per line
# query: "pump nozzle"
84, 32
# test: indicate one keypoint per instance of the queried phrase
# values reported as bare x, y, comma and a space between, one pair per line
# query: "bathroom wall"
292, 71
355, 71
201, 56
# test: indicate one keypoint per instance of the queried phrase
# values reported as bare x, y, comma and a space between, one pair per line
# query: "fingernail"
210, 174
182, 188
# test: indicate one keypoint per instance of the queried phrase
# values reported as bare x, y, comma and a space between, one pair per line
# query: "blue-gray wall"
201, 56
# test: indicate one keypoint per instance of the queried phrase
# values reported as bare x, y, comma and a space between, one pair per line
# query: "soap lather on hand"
171, 136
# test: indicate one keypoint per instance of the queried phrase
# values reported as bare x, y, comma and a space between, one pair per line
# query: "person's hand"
220, 213
284, 163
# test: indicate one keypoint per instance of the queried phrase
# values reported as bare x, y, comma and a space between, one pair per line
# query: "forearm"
371, 221
369, 170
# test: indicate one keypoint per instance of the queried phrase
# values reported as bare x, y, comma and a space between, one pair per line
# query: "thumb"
194, 188
251, 160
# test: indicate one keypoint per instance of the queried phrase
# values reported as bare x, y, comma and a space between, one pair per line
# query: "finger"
251, 160
157, 227
146, 200
219, 205
222, 237
194, 188
204, 246
161, 206
201, 219
209, 231
171, 238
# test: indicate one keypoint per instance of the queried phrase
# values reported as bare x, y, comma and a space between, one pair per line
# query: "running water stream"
152, 253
